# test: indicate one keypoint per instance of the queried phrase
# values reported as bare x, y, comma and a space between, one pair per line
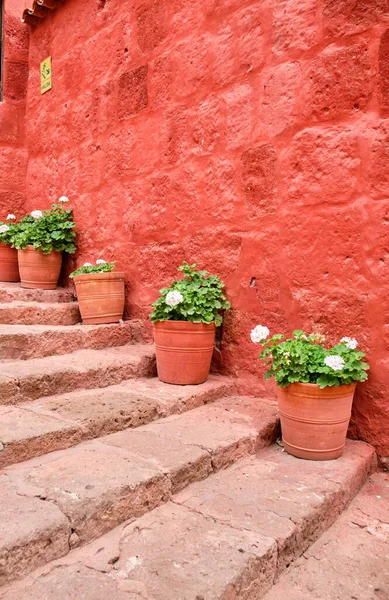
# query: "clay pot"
100, 297
184, 351
314, 421
38, 270
9, 268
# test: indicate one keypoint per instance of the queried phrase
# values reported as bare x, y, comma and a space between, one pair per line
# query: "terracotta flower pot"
9, 268
184, 351
38, 270
314, 421
100, 297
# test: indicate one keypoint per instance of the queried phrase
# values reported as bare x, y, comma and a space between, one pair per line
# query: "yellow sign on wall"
46, 75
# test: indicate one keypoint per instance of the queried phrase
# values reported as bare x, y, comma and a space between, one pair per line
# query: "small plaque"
46, 75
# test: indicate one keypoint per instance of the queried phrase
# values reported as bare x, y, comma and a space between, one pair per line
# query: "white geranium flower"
173, 298
37, 214
260, 332
10, 217
4, 228
335, 362
87, 264
100, 261
63, 199
349, 342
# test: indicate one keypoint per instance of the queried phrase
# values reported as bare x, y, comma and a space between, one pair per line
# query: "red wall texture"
13, 155
251, 137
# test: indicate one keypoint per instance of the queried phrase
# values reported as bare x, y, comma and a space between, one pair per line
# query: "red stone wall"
13, 155
249, 136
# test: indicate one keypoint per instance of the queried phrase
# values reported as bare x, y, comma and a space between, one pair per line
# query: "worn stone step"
22, 342
58, 422
351, 559
101, 483
23, 381
13, 292
228, 536
39, 313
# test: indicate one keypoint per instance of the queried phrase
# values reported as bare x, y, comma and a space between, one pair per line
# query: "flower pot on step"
9, 268
314, 421
184, 351
38, 270
100, 297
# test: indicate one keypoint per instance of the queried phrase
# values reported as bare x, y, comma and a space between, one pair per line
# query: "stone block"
259, 180
132, 93
240, 116
295, 27
383, 65
349, 17
152, 25
378, 165
321, 165
11, 123
13, 168
191, 66
249, 26
222, 56
338, 82
15, 77
281, 105
207, 125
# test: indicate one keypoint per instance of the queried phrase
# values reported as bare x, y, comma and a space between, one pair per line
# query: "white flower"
10, 217
336, 362
259, 333
3, 228
37, 214
349, 342
87, 265
100, 261
63, 199
173, 298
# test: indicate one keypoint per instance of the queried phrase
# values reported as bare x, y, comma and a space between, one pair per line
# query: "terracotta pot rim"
99, 276
183, 323
30, 248
7, 245
315, 386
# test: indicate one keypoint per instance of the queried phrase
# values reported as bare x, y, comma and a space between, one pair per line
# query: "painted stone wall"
251, 137
13, 155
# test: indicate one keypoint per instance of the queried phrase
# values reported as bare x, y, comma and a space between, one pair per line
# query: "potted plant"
9, 269
100, 292
184, 319
315, 390
40, 242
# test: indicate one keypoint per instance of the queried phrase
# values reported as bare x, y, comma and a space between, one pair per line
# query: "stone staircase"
113, 484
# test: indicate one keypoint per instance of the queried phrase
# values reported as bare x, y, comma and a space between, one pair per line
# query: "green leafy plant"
198, 298
9, 229
304, 359
47, 230
100, 267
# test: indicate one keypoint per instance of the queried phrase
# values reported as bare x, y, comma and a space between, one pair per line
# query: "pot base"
38, 285
318, 455
102, 320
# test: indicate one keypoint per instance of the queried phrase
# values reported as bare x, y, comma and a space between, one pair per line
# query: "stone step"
23, 342
58, 422
53, 503
39, 313
351, 559
24, 381
13, 292
228, 536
